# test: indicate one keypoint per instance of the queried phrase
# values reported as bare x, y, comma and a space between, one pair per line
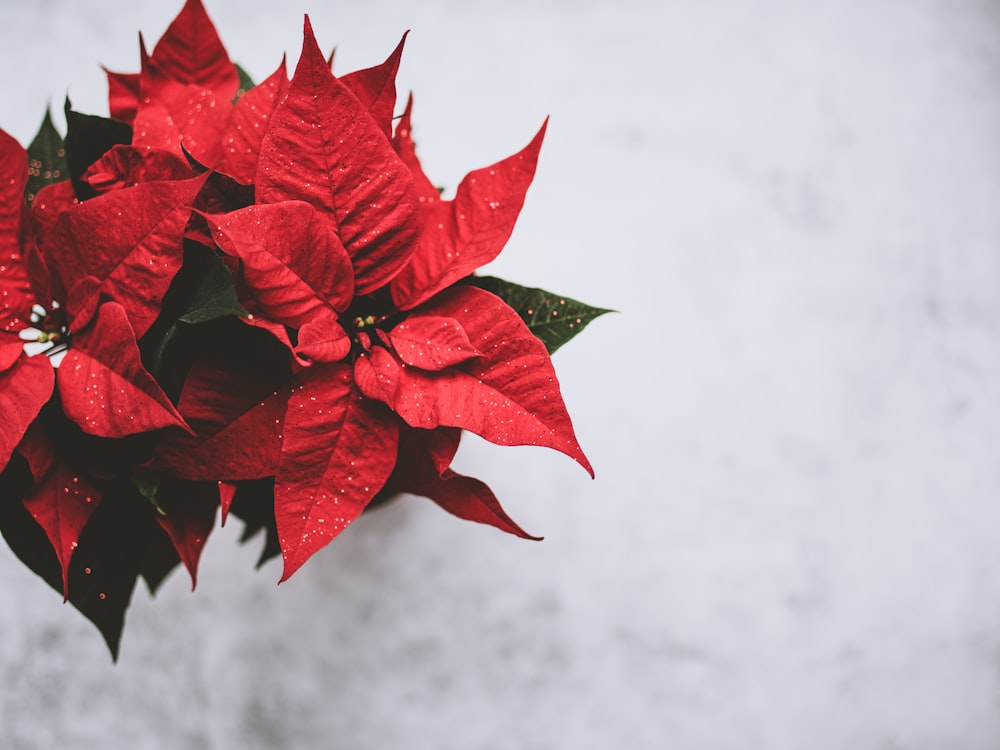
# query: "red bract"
260, 302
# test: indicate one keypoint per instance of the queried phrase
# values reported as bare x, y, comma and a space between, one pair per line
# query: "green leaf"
246, 82
552, 318
46, 159
88, 138
202, 291
254, 505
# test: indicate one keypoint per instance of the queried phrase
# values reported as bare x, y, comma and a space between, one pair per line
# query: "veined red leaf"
36, 448
11, 350
15, 291
402, 142
227, 491
126, 245
179, 117
237, 412
422, 469
324, 148
248, 124
431, 342
509, 395
375, 88
190, 52
293, 262
123, 95
104, 387
460, 235
62, 504
188, 518
339, 449
24, 388
127, 166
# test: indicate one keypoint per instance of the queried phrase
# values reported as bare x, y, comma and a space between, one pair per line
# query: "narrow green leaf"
552, 318
46, 159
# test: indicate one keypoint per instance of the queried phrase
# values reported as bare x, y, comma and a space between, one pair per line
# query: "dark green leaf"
253, 504
552, 318
88, 138
246, 82
202, 291
113, 551
46, 159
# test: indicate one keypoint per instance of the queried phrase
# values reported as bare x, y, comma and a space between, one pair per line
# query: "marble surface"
793, 540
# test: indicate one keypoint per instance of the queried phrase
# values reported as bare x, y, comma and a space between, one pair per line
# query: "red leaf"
172, 115
62, 504
237, 409
15, 291
402, 142
461, 235
190, 52
431, 342
127, 166
339, 449
375, 88
248, 124
227, 491
188, 518
125, 246
123, 95
293, 262
422, 469
103, 385
37, 449
509, 395
377, 374
11, 350
24, 389
324, 148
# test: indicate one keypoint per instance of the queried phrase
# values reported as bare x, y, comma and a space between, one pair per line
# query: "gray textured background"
794, 537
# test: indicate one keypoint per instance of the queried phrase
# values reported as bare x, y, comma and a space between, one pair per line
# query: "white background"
793, 540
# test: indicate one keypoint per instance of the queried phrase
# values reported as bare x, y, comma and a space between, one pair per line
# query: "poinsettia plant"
250, 299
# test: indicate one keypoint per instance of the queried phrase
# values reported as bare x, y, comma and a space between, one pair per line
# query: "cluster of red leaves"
254, 288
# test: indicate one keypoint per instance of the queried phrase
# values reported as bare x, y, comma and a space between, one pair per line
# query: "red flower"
261, 298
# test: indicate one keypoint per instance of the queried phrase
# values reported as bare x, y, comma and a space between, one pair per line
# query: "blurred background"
793, 540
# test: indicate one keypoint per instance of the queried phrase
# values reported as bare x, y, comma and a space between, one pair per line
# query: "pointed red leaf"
227, 492
375, 88
15, 292
37, 450
377, 374
339, 449
402, 142
463, 234
431, 342
127, 166
292, 260
191, 52
176, 117
422, 469
509, 395
62, 504
249, 122
25, 387
324, 148
125, 246
123, 95
237, 410
104, 387
188, 518
11, 350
